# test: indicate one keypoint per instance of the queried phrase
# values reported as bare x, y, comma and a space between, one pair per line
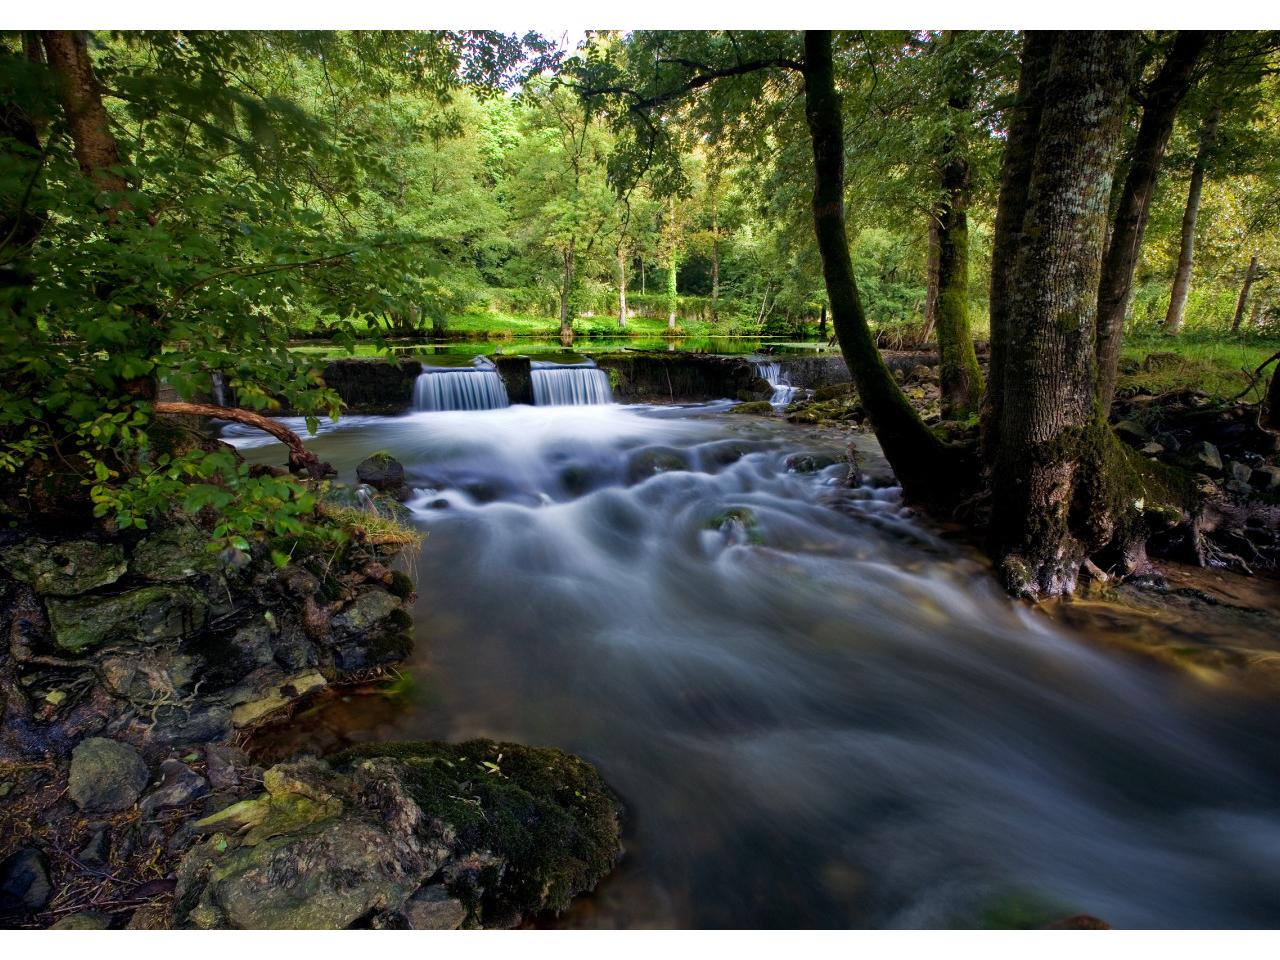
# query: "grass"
1220, 366
373, 527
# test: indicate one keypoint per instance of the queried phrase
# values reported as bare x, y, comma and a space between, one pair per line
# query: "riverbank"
138, 668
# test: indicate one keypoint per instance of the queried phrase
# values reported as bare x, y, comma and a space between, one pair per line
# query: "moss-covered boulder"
408, 835
64, 569
535, 826
173, 555
759, 408
144, 614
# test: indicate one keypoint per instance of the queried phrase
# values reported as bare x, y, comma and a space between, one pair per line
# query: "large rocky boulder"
144, 614
106, 775
64, 569
407, 835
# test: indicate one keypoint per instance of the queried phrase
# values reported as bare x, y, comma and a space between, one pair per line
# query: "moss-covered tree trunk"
1015, 178
918, 458
1051, 497
960, 377
1159, 110
1191, 213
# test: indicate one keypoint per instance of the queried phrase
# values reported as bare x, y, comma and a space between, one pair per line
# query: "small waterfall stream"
557, 385
771, 370
477, 387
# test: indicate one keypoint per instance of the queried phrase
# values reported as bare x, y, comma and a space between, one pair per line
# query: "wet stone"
181, 785
64, 569
106, 775
88, 920
24, 881
146, 614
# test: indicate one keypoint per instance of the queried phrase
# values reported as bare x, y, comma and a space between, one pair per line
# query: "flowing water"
771, 370
474, 387
569, 385
818, 711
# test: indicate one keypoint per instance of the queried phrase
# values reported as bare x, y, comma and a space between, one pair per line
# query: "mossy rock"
64, 569
544, 814
173, 555
759, 408
145, 614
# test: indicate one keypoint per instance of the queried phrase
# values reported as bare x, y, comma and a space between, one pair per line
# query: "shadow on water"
818, 712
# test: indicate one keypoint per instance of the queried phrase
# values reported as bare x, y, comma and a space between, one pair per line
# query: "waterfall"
771, 370
556, 384
219, 389
477, 387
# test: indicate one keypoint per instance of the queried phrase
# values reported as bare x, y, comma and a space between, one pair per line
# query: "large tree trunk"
931, 282
960, 377
1250, 274
1015, 178
1048, 508
1159, 110
95, 147
1187, 249
566, 292
918, 458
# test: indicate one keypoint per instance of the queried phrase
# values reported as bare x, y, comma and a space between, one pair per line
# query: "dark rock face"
516, 373
106, 775
381, 471
373, 386
403, 836
24, 881
64, 569
652, 377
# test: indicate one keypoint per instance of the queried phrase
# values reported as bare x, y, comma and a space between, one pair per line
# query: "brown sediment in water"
1222, 628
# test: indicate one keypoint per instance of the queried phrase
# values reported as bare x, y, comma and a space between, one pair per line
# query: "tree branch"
300, 458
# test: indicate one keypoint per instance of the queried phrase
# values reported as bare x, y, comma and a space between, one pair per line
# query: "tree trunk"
1158, 113
918, 458
95, 147
1186, 250
960, 376
566, 292
1050, 503
931, 282
672, 297
622, 286
1250, 274
300, 458
1015, 178
715, 273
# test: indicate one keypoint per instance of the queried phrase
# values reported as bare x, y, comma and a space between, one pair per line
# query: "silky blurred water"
817, 711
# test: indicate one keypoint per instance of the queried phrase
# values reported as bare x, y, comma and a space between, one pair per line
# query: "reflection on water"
818, 712
462, 351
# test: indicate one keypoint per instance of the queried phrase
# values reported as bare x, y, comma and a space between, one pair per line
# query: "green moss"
544, 812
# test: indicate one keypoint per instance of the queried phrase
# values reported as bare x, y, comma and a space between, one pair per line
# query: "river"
818, 710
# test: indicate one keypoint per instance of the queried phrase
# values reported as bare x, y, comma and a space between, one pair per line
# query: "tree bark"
1048, 505
918, 458
1250, 274
960, 377
1159, 110
300, 458
1187, 248
1015, 178
95, 147
931, 282
622, 286
566, 292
